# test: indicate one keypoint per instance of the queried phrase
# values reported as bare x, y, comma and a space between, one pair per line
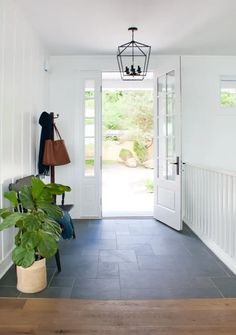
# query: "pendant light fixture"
133, 58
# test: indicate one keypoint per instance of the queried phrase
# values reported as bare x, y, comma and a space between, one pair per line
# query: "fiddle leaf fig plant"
38, 231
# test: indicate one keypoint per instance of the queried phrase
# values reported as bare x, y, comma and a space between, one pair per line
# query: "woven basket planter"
32, 279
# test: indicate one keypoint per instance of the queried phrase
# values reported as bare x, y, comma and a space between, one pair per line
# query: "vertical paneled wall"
22, 99
210, 209
208, 141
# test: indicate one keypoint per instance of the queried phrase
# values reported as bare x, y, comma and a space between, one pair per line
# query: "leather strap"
57, 131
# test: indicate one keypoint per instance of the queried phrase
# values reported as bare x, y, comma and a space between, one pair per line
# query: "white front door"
89, 144
167, 180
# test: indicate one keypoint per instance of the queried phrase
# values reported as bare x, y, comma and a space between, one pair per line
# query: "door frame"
155, 65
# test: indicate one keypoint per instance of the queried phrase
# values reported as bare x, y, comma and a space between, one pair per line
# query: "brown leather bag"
55, 152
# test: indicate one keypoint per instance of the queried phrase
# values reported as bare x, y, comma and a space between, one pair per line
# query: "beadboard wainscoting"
23, 84
209, 208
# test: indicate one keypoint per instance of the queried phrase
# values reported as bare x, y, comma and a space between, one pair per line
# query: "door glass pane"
170, 131
228, 91
170, 104
89, 107
166, 131
163, 125
167, 125
162, 105
89, 156
170, 88
89, 89
166, 170
89, 98
161, 88
170, 146
89, 148
89, 168
89, 127
170, 82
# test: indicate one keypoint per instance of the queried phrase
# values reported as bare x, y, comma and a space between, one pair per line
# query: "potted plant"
38, 232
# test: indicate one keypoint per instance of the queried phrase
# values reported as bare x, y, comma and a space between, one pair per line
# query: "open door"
167, 179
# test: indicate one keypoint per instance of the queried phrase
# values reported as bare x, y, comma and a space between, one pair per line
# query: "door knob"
177, 165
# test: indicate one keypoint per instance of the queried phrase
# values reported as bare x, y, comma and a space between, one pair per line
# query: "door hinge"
101, 206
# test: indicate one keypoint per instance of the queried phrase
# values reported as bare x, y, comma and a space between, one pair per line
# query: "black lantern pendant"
133, 59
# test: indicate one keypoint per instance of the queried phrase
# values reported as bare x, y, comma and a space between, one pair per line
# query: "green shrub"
125, 154
140, 151
150, 186
227, 99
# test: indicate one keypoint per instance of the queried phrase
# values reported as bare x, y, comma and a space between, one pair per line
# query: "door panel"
167, 207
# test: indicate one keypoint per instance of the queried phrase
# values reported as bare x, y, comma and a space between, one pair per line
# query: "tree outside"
228, 99
128, 121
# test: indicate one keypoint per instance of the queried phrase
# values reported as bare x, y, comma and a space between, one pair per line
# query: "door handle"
177, 165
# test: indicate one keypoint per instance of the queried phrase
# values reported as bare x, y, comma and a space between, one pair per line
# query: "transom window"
228, 91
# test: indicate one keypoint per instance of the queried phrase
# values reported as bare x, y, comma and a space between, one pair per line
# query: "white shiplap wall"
210, 209
22, 99
208, 142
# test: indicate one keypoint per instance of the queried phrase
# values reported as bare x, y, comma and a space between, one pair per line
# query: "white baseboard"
224, 257
6, 264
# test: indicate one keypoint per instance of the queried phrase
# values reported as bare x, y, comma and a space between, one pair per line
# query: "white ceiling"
170, 26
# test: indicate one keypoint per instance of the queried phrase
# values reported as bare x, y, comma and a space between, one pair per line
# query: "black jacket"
46, 122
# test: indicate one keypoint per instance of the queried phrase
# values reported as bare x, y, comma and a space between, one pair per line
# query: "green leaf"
23, 257
4, 212
11, 220
55, 225
52, 210
37, 187
26, 197
46, 196
20, 224
57, 189
47, 246
30, 240
41, 215
52, 227
12, 197
18, 238
31, 222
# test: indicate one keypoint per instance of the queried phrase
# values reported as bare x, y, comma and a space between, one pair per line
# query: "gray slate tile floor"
132, 259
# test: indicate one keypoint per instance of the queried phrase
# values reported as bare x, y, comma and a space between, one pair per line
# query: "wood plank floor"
148, 317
